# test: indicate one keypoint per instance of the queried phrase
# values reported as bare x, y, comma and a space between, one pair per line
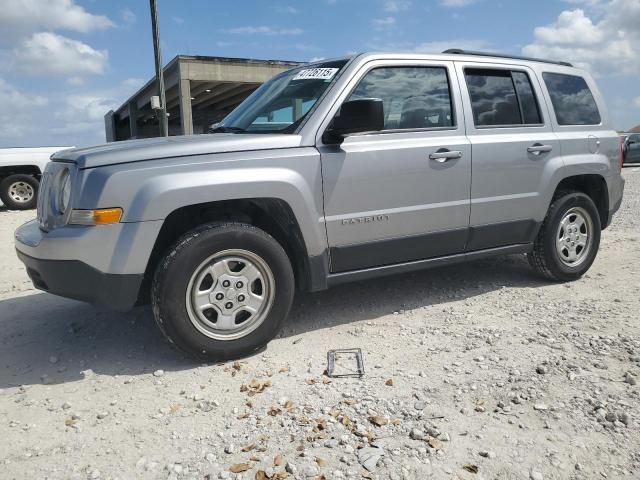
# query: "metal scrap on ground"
345, 363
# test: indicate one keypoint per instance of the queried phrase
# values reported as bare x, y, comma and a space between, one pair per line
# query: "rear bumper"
77, 280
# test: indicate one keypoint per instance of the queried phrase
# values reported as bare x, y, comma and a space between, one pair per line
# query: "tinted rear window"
572, 100
501, 98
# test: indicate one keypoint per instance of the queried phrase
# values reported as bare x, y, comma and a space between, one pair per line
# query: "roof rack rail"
459, 51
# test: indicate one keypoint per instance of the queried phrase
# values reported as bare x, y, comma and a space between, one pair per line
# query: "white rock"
535, 475
369, 456
487, 454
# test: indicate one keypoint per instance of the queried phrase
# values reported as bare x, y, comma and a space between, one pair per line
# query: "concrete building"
199, 90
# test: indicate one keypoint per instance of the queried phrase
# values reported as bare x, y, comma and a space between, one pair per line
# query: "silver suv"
331, 172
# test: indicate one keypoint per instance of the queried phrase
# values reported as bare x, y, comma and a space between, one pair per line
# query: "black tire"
171, 281
9, 202
545, 258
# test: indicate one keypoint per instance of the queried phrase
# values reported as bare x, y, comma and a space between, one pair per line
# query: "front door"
401, 194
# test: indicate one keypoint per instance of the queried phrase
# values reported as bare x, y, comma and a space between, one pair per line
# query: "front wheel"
222, 291
19, 192
568, 241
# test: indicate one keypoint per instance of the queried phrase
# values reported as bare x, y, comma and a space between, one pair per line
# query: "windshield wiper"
223, 129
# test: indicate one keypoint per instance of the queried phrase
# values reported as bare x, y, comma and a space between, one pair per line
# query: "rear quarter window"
572, 100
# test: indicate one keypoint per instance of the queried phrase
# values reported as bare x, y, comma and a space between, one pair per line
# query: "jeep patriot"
331, 172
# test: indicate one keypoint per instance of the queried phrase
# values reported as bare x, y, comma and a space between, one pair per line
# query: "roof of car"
454, 54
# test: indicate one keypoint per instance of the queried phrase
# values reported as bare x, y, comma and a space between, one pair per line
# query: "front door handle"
538, 148
444, 155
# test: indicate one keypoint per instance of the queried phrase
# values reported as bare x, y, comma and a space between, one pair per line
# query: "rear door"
400, 194
513, 148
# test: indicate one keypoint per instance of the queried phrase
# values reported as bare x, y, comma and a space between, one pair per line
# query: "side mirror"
356, 116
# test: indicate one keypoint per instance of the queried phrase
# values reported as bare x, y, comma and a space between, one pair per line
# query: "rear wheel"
222, 291
19, 192
569, 238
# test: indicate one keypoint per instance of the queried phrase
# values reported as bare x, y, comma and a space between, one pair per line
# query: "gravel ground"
472, 371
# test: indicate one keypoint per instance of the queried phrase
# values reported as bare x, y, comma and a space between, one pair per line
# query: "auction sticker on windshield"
316, 74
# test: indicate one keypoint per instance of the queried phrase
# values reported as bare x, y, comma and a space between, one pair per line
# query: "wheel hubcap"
21, 192
230, 294
573, 240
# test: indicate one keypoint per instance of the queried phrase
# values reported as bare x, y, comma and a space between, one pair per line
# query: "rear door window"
526, 98
501, 98
572, 100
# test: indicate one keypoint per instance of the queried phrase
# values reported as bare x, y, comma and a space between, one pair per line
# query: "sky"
65, 63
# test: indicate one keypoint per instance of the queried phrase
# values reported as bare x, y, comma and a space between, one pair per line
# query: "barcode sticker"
316, 74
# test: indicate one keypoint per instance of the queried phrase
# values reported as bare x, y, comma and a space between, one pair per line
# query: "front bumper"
77, 280
103, 265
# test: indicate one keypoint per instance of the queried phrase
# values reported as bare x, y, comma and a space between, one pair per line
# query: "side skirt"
369, 273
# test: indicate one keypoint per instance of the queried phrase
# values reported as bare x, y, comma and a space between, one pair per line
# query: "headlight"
64, 191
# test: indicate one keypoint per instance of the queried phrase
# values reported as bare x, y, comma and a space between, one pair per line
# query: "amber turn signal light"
102, 216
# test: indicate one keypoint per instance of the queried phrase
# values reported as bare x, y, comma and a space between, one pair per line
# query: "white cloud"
287, 9
264, 30
11, 98
178, 20
19, 16
75, 81
128, 17
573, 28
133, 84
383, 23
395, 6
31, 44
441, 46
606, 46
17, 110
456, 3
588, 3
49, 53
636, 102
83, 113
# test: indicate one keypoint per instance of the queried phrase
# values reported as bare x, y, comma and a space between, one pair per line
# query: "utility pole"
162, 111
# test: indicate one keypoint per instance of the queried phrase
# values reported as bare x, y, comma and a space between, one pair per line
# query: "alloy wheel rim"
230, 294
574, 237
21, 192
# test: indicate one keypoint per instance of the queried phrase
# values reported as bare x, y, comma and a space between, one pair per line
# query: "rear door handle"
538, 148
444, 155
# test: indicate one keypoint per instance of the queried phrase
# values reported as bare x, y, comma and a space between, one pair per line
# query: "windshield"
280, 104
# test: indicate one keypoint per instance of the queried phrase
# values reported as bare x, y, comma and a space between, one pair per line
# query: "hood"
167, 147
